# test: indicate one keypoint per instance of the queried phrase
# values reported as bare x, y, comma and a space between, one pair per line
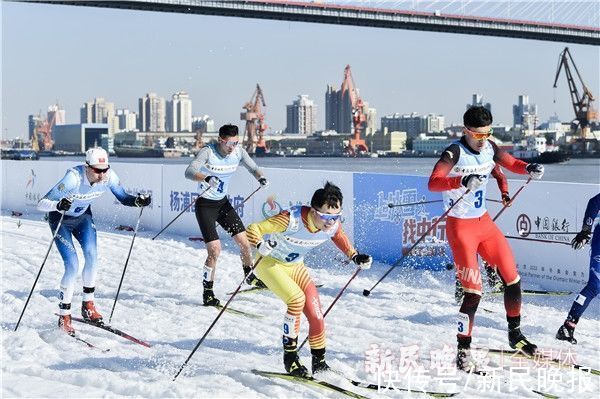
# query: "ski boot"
517, 340
252, 279
291, 361
464, 359
64, 323
318, 361
566, 332
208, 296
89, 312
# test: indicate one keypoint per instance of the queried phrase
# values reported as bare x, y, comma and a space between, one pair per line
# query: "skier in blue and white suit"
592, 288
72, 195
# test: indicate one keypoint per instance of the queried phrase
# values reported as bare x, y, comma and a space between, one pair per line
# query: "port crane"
357, 145
583, 105
255, 122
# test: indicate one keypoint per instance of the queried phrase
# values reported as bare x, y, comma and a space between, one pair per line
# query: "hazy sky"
73, 54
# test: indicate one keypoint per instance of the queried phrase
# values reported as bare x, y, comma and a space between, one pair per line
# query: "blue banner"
387, 232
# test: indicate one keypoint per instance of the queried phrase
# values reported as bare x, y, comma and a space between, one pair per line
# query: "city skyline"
215, 61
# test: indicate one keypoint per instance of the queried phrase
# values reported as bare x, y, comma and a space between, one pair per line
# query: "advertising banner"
546, 211
387, 233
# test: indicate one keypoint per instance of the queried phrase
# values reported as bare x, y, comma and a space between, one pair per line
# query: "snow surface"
161, 300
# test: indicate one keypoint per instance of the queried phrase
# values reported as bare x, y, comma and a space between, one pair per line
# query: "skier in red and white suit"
466, 165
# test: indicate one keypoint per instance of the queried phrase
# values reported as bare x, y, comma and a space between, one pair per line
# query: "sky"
73, 54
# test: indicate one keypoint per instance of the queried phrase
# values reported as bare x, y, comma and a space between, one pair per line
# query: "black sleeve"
451, 154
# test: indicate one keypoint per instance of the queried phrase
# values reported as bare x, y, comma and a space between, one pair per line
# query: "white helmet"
96, 157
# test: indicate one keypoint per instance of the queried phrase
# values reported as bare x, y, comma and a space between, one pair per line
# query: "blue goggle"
328, 216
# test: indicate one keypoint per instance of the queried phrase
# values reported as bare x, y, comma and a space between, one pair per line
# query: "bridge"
437, 16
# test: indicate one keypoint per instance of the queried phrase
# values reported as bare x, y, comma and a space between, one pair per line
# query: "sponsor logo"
31, 180
523, 225
270, 207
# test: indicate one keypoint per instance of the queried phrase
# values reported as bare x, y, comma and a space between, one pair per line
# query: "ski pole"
137, 224
41, 267
511, 200
399, 261
181, 213
216, 319
413, 203
538, 240
334, 301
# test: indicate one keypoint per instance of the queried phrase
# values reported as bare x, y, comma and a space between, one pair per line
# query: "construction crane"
357, 145
255, 122
583, 106
43, 130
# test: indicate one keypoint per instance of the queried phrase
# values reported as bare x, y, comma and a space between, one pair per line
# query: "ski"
87, 343
545, 395
513, 352
310, 381
255, 290
113, 330
239, 312
536, 292
376, 387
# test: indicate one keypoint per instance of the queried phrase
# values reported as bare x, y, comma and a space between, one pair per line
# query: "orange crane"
44, 129
255, 122
582, 105
357, 144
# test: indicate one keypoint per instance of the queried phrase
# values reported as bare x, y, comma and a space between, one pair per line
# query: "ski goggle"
480, 135
328, 216
228, 143
97, 170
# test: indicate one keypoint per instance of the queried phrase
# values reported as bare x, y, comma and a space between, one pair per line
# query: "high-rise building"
524, 114
179, 113
99, 111
434, 123
477, 101
203, 124
332, 109
152, 113
56, 114
413, 124
338, 110
371, 121
301, 116
127, 120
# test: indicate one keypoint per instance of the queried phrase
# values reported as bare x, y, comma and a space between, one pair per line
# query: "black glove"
535, 170
473, 182
363, 261
506, 199
212, 181
263, 181
142, 200
582, 238
64, 204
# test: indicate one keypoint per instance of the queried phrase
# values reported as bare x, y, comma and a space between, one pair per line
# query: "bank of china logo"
270, 207
31, 180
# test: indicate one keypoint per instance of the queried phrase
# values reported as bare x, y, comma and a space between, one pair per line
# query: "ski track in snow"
160, 302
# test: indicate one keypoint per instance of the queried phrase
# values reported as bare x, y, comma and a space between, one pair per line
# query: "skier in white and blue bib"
212, 169
72, 195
